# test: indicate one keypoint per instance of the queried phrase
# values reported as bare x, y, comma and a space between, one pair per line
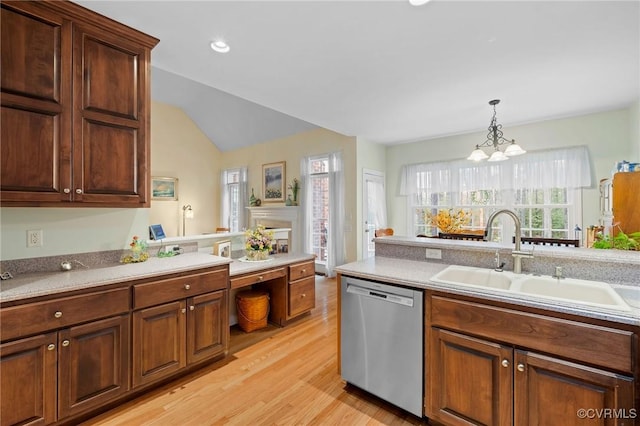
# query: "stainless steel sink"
594, 293
478, 277
584, 292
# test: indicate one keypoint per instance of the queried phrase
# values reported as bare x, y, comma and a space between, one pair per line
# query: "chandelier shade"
496, 139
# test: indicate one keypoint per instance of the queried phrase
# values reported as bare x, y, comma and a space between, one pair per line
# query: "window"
542, 188
319, 180
233, 198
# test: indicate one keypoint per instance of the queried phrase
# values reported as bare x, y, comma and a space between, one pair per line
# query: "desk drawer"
302, 295
302, 270
258, 277
23, 320
162, 291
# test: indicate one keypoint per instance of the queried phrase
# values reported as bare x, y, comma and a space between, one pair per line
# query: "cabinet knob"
58, 314
65, 342
66, 190
51, 347
184, 310
304, 295
191, 308
303, 271
505, 363
187, 286
78, 191
260, 278
520, 367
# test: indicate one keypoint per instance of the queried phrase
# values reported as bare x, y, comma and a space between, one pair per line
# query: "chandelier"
495, 139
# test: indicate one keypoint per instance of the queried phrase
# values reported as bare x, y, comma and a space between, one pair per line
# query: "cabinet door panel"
94, 364
207, 326
28, 381
159, 342
467, 382
552, 391
31, 53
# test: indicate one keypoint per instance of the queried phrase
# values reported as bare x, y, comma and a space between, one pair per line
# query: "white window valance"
558, 168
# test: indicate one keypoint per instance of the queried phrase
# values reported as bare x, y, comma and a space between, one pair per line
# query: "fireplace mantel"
281, 217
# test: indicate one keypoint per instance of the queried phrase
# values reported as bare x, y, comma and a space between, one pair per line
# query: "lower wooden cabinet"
472, 379
55, 375
302, 288
174, 335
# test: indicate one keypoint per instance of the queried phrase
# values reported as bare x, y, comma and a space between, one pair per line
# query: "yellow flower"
448, 221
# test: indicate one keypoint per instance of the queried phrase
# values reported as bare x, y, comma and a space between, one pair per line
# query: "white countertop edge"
405, 272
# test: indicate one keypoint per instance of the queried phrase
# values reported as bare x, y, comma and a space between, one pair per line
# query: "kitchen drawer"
23, 320
162, 291
302, 270
592, 344
258, 277
302, 295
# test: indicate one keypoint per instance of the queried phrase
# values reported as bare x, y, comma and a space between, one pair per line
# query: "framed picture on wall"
273, 181
164, 188
283, 246
222, 248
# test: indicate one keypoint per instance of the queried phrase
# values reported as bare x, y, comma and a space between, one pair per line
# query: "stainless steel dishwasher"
381, 341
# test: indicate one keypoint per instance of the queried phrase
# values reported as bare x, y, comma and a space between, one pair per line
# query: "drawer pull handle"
78, 191
187, 286
303, 271
505, 363
191, 308
51, 347
65, 342
304, 295
184, 310
260, 278
520, 367
58, 314
66, 190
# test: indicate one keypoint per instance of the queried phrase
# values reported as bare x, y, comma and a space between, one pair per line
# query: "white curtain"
335, 241
306, 206
557, 168
226, 199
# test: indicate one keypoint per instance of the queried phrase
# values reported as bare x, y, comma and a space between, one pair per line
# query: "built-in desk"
289, 279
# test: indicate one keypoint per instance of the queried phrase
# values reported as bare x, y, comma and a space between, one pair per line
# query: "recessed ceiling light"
418, 2
220, 46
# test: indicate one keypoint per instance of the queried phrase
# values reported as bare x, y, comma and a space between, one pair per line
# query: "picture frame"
222, 248
273, 182
164, 188
156, 232
283, 246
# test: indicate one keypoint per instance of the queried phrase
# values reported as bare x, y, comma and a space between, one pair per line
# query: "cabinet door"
36, 104
159, 343
110, 94
93, 364
550, 391
469, 381
207, 326
28, 381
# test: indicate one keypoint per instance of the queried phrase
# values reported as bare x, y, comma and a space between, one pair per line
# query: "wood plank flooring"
274, 376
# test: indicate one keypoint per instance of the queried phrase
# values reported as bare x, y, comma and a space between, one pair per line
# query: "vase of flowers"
294, 187
259, 243
138, 252
448, 221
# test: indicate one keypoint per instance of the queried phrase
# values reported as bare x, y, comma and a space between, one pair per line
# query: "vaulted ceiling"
385, 71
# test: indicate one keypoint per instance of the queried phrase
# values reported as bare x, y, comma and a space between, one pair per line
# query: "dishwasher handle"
380, 295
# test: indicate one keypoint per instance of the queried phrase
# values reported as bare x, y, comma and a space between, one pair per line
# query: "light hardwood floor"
274, 376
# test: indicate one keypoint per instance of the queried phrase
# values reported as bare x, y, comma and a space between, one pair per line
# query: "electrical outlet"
34, 238
433, 253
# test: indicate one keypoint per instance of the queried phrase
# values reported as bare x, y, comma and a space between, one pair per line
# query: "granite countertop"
417, 274
47, 283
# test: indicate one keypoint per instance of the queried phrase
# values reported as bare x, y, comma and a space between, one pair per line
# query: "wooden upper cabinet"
75, 108
626, 202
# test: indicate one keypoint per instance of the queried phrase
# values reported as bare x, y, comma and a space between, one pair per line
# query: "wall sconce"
187, 213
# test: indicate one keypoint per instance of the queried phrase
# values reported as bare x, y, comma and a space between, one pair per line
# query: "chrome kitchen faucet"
517, 253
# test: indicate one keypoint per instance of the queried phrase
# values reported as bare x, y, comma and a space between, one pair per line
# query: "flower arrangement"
448, 221
138, 251
295, 187
259, 243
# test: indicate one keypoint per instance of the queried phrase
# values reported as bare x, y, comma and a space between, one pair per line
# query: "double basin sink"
583, 292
